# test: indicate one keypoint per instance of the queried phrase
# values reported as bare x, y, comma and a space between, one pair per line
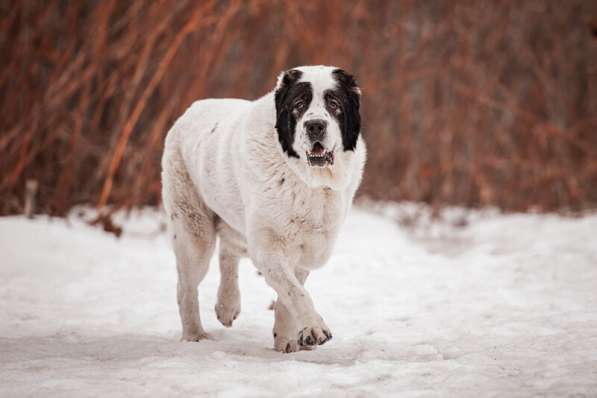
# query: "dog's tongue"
317, 149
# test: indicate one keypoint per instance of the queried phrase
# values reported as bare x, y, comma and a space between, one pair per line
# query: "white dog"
274, 179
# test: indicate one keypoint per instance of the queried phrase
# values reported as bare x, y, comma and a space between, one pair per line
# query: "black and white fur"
274, 179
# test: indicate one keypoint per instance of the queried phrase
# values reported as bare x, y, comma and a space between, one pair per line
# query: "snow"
505, 306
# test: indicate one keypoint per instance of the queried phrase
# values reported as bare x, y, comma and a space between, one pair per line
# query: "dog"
274, 179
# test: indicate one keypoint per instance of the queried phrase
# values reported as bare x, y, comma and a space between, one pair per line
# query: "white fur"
225, 174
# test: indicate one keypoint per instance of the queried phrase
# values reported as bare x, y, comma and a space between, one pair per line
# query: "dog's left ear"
284, 121
352, 117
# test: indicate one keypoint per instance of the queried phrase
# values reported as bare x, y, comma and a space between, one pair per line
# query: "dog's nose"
315, 129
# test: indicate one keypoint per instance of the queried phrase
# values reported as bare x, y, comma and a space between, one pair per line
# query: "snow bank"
506, 306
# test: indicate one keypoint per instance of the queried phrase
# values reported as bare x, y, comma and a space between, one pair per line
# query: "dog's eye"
300, 104
333, 105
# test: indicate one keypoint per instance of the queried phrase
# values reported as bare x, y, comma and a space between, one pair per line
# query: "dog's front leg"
270, 255
285, 325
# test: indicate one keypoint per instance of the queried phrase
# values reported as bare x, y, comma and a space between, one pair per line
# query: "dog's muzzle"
319, 157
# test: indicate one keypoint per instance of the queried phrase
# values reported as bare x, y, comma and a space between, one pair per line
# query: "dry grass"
469, 103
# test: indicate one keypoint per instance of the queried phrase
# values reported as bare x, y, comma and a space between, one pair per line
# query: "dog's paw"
196, 336
313, 336
227, 312
286, 345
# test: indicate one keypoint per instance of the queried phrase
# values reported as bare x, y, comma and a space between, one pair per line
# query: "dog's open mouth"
319, 157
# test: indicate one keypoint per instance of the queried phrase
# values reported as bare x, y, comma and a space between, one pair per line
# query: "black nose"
316, 129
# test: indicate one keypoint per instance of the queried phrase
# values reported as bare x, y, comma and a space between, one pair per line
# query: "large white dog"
274, 178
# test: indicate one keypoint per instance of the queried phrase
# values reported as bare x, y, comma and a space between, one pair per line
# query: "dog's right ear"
287, 78
285, 124
285, 82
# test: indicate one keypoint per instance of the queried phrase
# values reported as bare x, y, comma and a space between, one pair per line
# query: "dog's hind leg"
193, 234
193, 252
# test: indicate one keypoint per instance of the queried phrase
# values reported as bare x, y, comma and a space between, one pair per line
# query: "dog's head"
318, 123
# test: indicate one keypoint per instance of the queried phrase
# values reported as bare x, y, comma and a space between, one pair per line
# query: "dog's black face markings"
292, 100
343, 103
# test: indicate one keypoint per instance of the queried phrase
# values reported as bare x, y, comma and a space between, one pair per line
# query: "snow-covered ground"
506, 306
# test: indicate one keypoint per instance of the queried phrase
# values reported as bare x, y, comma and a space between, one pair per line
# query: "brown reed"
465, 103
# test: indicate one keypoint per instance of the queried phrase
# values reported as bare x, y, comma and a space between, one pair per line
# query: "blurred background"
471, 103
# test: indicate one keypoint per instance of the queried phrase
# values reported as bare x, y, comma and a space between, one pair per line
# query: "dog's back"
199, 152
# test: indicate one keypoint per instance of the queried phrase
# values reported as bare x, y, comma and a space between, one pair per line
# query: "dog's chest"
312, 224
